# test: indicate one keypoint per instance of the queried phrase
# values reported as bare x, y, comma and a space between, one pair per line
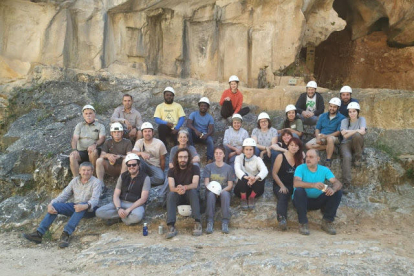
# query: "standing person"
311, 193
87, 138
201, 127
232, 100
183, 181
131, 119
152, 154
328, 130
233, 139
283, 170
130, 195
346, 98
251, 173
310, 104
85, 190
224, 175
281, 145
169, 116
353, 130
264, 135
292, 122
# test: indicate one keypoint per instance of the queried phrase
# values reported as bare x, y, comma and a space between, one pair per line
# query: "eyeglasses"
132, 165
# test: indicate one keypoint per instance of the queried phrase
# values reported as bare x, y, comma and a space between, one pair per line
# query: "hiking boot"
35, 237
172, 232
243, 204
251, 202
64, 240
110, 222
225, 227
282, 223
304, 229
328, 227
198, 229
209, 228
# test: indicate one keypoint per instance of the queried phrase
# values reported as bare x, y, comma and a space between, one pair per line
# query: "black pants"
242, 187
282, 200
164, 132
227, 110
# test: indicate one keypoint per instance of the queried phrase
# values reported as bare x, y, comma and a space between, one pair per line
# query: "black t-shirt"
184, 177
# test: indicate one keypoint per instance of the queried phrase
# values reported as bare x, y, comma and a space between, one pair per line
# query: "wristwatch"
117, 208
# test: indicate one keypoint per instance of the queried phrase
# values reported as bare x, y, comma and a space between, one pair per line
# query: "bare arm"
116, 200
139, 202
275, 170
298, 183
162, 162
74, 143
349, 133
194, 183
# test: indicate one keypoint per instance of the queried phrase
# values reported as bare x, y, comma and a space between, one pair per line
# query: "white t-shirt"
311, 104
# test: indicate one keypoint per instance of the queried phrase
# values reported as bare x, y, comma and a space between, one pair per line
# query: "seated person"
233, 139
310, 105
281, 145
232, 100
346, 98
264, 135
129, 117
292, 122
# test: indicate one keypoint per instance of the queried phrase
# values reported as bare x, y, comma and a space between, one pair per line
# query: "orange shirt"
236, 99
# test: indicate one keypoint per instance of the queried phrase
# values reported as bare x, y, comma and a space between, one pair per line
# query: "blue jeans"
68, 210
209, 141
155, 174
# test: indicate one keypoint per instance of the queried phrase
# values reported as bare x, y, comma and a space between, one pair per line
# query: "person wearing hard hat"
223, 176
264, 135
183, 181
353, 130
130, 195
113, 153
282, 172
201, 127
328, 130
232, 99
292, 122
151, 152
345, 94
310, 104
251, 173
310, 193
86, 139
85, 190
131, 119
169, 116
233, 139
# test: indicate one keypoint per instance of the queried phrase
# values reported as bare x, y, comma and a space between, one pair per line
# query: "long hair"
177, 165
298, 157
349, 118
285, 131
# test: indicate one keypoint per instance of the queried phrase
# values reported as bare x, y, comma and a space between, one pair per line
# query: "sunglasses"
132, 165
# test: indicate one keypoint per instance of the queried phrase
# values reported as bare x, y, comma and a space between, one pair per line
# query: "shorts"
84, 156
313, 141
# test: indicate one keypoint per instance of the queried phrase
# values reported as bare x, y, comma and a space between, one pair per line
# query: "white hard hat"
290, 107
117, 127
169, 89
184, 210
146, 125
88, 106
204, 100
131, 156
353, 105
346, 89
237, 116
335, 101
234, 78
249, 142
263, 115
214, 187
312, 84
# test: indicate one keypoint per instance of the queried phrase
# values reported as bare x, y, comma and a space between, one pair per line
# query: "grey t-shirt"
353, 126
264, 138
220, 174
174, 150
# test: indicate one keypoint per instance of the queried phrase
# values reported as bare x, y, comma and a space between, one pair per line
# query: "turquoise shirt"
322, 173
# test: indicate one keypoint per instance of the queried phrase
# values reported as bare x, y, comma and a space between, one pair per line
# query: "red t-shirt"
236, 99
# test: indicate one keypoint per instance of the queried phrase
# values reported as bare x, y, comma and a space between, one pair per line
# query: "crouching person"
85, 190
130, 195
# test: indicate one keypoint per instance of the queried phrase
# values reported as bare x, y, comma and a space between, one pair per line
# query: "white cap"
88, 106
290, 107
249, 142
204, 100
117, 127
131, 156
263, 115
237, 116
234, 78
169, 89
214, 187
353, 105
312, 84
346, 89
184, 210
335, 101
147, 125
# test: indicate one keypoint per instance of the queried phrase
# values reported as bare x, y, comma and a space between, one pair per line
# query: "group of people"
240, 164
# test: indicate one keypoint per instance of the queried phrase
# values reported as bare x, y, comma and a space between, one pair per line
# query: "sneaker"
225, 227
243, 204
304, 229
64, 240
282, 223
198, 229
172, 232
251, 202
328, 227
110, 222
35, 237
209, 228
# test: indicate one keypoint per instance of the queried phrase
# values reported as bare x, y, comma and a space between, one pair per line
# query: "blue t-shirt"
321, 174
201, 122
327, 126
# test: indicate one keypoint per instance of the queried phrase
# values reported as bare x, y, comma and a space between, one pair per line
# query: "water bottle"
145, 230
